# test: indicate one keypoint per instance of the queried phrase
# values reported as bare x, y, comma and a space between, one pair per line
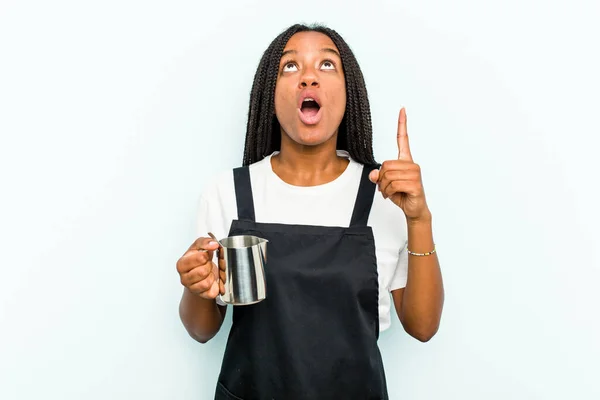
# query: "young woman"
344, 232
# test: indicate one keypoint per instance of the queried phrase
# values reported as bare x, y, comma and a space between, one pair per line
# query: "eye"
327, 65
290, 67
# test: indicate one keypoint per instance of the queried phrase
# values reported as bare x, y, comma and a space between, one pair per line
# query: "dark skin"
311, 62
418, 305
202, 281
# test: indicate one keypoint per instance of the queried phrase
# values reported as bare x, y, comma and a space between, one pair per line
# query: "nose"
309, 78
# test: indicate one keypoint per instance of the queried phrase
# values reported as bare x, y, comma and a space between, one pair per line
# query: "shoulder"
221, 186
388, 222
386, 219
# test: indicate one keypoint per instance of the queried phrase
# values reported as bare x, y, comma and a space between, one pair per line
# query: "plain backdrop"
114, 115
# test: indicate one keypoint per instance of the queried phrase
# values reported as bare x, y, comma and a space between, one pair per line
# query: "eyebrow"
323, 50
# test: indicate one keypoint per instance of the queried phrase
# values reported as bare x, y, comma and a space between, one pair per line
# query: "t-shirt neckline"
340, 180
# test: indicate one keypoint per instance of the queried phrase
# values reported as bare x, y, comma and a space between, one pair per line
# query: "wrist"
423, 220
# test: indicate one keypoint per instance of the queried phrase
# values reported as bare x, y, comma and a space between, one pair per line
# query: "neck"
302, 165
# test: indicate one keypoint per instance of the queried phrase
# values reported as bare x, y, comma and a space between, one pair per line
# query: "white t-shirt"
330, 204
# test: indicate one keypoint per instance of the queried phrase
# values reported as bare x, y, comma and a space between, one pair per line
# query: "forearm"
202, 318
423, 296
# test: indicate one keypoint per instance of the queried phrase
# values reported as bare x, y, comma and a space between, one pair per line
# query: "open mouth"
310, 108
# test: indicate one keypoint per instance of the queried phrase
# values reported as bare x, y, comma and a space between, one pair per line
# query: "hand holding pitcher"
198, 273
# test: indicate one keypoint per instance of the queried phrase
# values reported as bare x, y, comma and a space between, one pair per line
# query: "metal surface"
245, 258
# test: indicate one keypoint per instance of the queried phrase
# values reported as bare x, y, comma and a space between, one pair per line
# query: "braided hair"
263, 135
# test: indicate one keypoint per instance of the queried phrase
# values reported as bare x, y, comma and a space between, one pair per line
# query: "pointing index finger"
403, 147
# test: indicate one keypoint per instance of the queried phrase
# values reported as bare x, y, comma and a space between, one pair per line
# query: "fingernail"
212, 242
373, 176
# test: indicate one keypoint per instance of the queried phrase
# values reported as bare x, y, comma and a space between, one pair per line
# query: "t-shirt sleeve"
400, 276
216, 207
213, 216
202, 217
210, 218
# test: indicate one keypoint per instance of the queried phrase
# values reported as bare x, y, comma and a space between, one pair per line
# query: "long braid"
359, 132
262, 130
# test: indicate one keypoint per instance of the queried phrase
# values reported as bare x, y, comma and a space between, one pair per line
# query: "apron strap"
243, 194
364, 198
362, 206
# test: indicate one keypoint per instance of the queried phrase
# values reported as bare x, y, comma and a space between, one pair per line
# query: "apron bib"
315, 335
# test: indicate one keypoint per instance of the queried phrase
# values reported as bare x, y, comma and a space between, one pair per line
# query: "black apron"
315, 335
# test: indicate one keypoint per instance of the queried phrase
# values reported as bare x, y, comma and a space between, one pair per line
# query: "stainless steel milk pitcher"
245, 258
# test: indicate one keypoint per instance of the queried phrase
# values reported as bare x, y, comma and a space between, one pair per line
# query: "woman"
337, 249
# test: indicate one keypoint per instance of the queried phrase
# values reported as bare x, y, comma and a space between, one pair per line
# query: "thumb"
374, 176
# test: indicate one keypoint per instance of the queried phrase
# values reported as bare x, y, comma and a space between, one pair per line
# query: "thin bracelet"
421, 254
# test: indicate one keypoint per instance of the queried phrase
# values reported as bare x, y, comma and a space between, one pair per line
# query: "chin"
311, 135
311, 139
